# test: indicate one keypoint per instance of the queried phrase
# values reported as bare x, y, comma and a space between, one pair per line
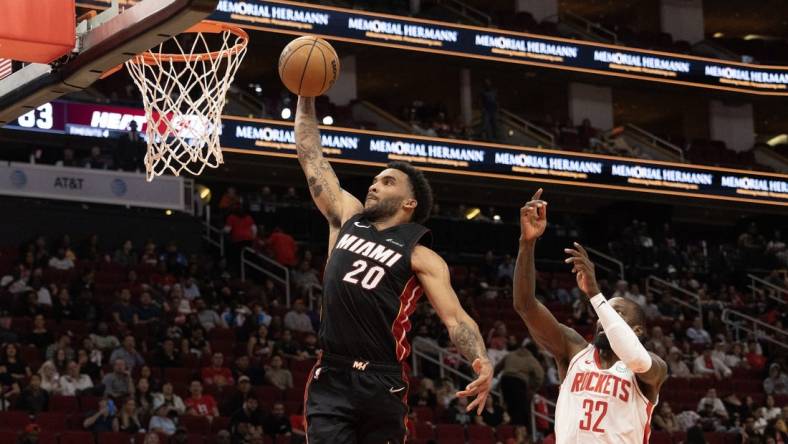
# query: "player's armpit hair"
468, 340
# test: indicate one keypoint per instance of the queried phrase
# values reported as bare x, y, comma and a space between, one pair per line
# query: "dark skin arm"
336, 204
433, 274
650, 380
558, 339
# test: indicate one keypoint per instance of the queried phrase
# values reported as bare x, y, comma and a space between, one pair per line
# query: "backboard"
102, 42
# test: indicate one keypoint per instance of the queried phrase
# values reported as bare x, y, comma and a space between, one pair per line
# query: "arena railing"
264, 266
773, 292
592, 29
536, 131
423, 349
655, 140
212, 235
656, 285
535, 416
467, 11
740, 322
612, 265
311, 295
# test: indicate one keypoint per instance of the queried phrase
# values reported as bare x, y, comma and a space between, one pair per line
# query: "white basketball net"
184, 95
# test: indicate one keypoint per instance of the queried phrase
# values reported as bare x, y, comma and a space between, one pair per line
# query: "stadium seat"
63, 404
222, 334
179, 374
7, 436
424, 431
47, 437
480, 434
53, 421
660, 438
194, 438
88, 403
268, 393
220, 423
195, 424
504, 432
302, 366
14, 417
72, 437
450, 433
113, 438
424, 414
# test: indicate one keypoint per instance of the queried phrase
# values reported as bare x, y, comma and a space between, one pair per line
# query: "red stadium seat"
195, 424
450, 433
268, 393
18, 419
53, 421
114, 438
47, 437
220, 423
7, 436
64, 404
179, 374
480, 434
424, 414
294, 395
88, 403
424, 431
72, 437
302, 366
504, 432
194, 438
222, 334
660, 438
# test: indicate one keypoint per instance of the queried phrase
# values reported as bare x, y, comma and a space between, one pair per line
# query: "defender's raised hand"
583, 269
533, 218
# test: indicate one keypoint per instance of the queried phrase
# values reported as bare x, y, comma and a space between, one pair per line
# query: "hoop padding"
184, 93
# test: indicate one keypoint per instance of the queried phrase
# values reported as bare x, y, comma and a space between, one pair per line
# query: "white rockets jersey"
601, 406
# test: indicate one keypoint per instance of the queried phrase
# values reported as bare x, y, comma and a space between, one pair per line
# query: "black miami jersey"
369, 291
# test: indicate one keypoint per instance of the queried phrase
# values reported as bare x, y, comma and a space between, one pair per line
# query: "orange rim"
208, 27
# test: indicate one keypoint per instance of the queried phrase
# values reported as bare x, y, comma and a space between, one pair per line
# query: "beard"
382, 210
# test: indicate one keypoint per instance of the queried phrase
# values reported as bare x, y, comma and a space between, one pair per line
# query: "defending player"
373, 278
609, 388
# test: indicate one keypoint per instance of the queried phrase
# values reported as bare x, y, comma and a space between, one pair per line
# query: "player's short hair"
422, 191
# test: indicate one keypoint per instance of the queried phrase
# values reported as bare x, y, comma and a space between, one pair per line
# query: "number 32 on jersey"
370, 276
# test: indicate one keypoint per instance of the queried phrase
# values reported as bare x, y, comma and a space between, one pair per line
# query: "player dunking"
609, 388
376, 271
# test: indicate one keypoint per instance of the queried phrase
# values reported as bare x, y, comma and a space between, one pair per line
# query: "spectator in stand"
243, 367
297, 320
196, 344
305, 277
125, 256
712, 410
174, 260
310, 348
282, 247
118, 383
102, 419
50, 379
148, 312
170, 399
63, 343
7, 333
229, 199
676, 366
88, 365
770, 410
506, 268
287, 346
199, 404
489, 105
259, 345
60, 261
707, 365
492, 415
33, 399
424, 396
143, 396
12, 369
127, 420
665, 419
95, 161
456, 412
209, 318
242, 230
497, 352
123, 312
64, 307
755, 355
128, 353
236, 400
521, 377
247, 421
291, 197
277, 375
735, 357
622, 290
68, 160
167, 356
74, 382
149, 256
161, 421
217, 374
697, 334
103, 339
277, 423
636, 296
259, 315
777, 381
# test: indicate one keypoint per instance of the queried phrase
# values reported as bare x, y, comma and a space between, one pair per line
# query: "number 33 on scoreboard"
594, 413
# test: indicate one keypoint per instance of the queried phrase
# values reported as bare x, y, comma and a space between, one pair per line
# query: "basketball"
308, 66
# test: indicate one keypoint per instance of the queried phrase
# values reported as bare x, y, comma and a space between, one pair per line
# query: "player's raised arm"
433, 274
336, 204
622, 335
561, 341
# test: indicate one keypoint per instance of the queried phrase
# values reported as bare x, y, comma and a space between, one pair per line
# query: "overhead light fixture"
779, 139
718, 35
258, 89
286, 113
497, 217
472, 213
752, 37
204, 193
328, 120
168, 212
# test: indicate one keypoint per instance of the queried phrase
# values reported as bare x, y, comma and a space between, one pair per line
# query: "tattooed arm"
336, 204
433, 274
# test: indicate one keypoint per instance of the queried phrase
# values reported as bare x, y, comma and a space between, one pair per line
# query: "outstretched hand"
533, 218
583, 269
480, 387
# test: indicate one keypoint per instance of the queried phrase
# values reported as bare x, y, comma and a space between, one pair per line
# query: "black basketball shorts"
356, 402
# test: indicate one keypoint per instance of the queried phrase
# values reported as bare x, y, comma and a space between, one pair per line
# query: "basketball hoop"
184, 92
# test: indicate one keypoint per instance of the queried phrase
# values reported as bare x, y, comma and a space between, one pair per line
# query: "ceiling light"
328, 120
778, 140
472, 213
286, 113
